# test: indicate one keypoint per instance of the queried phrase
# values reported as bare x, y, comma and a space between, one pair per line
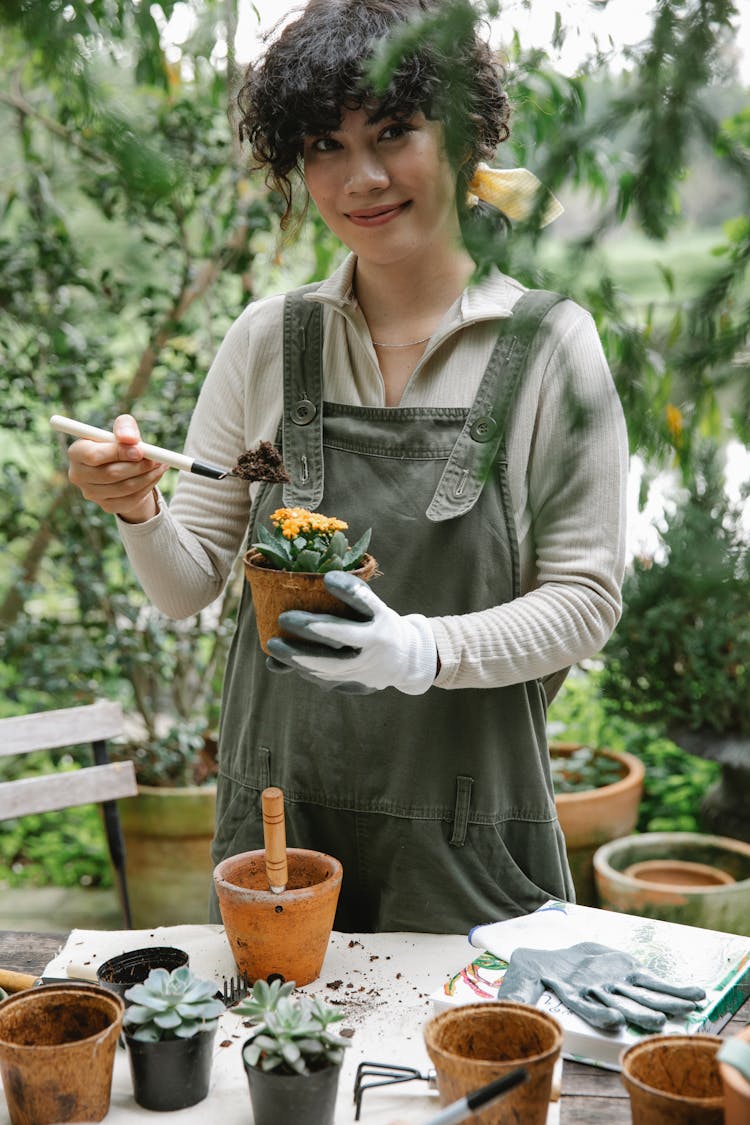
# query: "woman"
446, 416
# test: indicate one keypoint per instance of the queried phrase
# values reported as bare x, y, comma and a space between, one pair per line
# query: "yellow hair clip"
513, 191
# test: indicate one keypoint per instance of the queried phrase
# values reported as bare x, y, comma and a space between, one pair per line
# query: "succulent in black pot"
170, 1028
293, 1057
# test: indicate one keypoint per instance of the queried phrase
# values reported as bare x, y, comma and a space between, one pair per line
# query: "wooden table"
590, 1095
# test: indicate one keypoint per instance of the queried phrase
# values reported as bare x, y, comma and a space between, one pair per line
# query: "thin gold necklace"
411, 344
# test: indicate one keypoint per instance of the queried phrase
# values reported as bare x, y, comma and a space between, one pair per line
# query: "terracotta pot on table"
286, 934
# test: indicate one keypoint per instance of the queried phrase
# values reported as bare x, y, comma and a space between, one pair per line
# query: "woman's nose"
365, 173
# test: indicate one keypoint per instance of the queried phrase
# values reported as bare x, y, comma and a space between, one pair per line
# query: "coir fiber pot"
734, 1067
171, 1073
285, 934
275, 591
278, 1098
674, 1080
57, 1052
122, 972
623, 884
475, 1043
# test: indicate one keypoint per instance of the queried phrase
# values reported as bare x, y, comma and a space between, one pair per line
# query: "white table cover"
382, 981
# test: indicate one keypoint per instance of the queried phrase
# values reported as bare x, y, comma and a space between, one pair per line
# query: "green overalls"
440, 806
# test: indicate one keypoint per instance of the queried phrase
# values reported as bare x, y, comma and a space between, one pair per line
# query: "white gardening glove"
384, 650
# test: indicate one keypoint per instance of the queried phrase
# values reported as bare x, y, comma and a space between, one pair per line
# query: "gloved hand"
384, 650
603, 986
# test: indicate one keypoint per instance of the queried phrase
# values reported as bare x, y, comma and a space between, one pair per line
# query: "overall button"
484, 428
303, 412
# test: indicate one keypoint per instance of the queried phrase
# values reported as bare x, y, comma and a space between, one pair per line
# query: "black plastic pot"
173, 1073
122, 972
292, 1097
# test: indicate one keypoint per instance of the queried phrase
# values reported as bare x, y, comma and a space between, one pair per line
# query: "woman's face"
386, 188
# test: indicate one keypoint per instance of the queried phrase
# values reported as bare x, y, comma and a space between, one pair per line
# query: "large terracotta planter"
168, 833
275, 591
674, 1080
591, 818
736, 1084
472, 1044
622, 883
287, 934
57, 1053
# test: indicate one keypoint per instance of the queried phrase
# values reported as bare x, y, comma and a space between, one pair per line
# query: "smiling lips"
376, 216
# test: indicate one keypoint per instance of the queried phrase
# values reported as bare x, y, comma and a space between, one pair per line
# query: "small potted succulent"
169, 1031
285, 567
293, 1057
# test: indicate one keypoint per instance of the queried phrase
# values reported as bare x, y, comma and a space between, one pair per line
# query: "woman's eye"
322, 144
396, 130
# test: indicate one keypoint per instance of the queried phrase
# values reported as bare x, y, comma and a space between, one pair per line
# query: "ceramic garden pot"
472, 1044
279, 935
172, 1073
734, 1068
122, 972
278, 1098
595, 816
674, 1080
168, 832
717, 899
678, 873
57, 1052
275, 591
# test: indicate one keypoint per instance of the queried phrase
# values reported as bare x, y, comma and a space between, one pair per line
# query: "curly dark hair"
317, 66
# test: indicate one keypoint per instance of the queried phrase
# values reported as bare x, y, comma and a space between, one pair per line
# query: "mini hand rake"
385, 1074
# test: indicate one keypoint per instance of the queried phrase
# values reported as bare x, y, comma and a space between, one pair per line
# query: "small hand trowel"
16, 982
274, 837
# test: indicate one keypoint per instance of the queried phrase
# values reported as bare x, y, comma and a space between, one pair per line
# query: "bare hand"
116, 475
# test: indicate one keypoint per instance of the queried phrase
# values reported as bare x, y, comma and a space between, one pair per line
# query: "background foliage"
680, 656
131, 235
675, 782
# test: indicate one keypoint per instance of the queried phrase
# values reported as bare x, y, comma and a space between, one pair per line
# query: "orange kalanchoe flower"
298, 521
309, 541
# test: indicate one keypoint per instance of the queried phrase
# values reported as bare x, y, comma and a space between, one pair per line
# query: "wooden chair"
101, 783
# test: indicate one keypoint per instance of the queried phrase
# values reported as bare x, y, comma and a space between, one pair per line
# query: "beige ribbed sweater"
567, 484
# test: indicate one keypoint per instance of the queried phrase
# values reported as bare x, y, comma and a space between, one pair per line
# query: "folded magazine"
685, 955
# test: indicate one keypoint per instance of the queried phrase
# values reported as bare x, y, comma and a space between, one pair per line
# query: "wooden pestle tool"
16, 982
274, 836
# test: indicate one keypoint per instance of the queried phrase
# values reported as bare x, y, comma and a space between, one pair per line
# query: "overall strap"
483, 434
302, 419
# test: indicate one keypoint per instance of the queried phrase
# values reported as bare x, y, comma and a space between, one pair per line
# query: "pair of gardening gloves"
382, 649
605, 987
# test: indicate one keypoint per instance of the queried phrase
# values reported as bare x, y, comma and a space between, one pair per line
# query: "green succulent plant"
290, 1035
583, 769
309, 542
174, 1005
